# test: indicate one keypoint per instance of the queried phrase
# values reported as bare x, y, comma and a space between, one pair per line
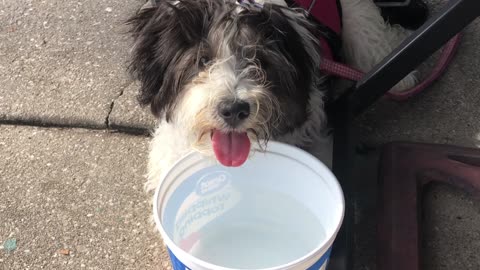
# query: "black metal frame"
453, 17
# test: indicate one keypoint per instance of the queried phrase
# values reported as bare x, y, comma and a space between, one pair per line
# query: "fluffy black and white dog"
220, 75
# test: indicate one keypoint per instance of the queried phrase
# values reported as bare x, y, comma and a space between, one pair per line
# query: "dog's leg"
367, 38
168, 145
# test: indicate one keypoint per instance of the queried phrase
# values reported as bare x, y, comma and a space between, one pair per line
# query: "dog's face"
228, 73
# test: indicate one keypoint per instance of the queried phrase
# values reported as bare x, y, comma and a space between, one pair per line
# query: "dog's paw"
150, 185
406, 83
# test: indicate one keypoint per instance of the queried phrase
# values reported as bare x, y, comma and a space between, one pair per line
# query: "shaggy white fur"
367, 38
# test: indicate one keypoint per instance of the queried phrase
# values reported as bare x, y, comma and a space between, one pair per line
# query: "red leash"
345, 72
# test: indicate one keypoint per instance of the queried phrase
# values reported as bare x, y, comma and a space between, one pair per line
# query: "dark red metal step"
405, 168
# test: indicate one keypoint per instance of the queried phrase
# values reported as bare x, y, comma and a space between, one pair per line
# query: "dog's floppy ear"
162, 34
292, 37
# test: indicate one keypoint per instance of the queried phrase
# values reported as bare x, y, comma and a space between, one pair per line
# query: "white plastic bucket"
281, 210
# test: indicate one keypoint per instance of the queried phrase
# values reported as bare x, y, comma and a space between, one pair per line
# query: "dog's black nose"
234, 112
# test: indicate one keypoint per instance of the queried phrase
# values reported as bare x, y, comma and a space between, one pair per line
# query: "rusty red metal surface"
405, 168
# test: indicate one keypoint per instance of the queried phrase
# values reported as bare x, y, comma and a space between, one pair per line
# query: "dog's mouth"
231, 148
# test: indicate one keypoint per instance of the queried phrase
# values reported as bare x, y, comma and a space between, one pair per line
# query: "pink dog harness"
327, 13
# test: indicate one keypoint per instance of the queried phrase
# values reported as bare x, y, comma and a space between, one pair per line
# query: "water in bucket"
234, 221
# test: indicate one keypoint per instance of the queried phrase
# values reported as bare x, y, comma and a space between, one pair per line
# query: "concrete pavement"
63, 62
75, 190
127, 115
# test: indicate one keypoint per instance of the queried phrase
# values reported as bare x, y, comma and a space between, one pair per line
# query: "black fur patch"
167, 40
411, 16
173, 43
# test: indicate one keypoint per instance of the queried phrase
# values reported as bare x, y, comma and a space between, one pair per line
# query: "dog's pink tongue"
231, 149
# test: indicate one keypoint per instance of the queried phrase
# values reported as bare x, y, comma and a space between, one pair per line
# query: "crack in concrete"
112, 104
133, 132
56, 123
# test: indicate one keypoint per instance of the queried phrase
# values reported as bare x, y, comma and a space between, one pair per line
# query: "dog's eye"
204, 61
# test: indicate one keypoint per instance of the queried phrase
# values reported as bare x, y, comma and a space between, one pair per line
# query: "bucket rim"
276, 148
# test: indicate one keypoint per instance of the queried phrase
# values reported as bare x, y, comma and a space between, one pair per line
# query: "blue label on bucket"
176, 264
212, 182
319, 265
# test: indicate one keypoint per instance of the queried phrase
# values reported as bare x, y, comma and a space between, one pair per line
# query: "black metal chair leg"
448, 22
455, 16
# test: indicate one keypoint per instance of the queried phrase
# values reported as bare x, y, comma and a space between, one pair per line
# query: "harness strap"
343, 71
